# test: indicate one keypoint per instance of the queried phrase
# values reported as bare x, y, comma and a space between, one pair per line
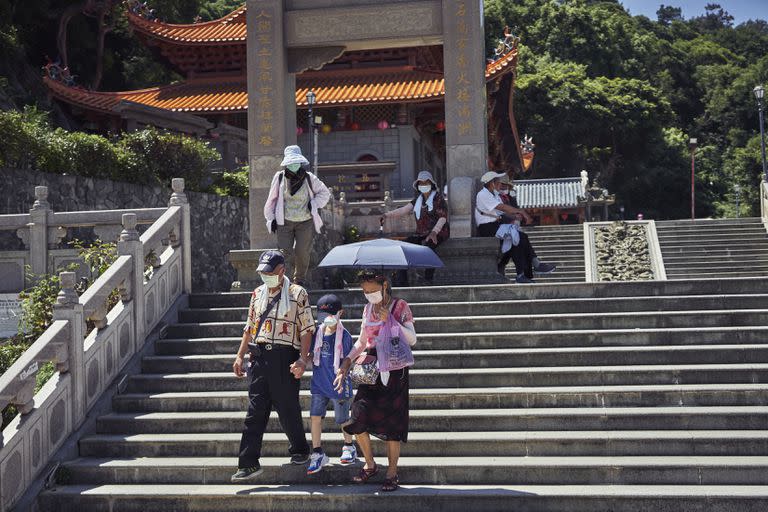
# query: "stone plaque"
10, 314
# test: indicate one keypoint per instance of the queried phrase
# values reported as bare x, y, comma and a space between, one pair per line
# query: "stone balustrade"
650, 244
41, 231
88, 362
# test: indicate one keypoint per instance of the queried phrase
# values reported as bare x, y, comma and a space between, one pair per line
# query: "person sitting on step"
431, 212
491, 212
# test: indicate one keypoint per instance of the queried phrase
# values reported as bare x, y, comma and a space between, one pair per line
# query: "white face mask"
272, 281
424, 188
293, 167
330, 321
504, 192
375, 297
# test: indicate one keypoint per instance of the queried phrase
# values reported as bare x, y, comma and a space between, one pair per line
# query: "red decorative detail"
383, 124
354, 127
440, 126
299, 130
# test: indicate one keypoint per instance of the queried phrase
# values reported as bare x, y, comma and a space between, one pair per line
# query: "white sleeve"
487, 202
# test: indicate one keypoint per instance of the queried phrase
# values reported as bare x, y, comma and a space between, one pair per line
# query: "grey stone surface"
219, 224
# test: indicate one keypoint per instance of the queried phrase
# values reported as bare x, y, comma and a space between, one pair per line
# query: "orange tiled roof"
228, 29
229, 94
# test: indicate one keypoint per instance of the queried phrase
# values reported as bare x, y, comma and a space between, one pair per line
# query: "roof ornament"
507, 44
141, 9
56, 72
526, 150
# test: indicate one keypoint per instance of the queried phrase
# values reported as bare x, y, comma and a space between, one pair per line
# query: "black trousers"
429, 273
272, 386
522, 254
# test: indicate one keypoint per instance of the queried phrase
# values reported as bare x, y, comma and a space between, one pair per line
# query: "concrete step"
714, 275
732, 268
493, 377
672, 470
712, 253
542, 306
514, 323
744, 221
511, 358
725, 237
308, 497
466, 420
498, 340
459, 444
485, 398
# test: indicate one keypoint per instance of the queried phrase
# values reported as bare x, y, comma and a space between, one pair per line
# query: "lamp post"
737, 190
759, 95
692, 144
311, 125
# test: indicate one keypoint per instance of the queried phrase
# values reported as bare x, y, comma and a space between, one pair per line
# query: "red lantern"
383, 124
299, 130
354, 127
440, 126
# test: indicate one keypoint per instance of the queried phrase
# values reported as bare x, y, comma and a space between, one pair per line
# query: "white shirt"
487, 201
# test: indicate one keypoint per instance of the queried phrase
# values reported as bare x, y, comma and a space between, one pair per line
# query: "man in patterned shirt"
279, 355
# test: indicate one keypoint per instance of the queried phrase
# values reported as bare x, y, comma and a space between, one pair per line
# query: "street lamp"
737, 190
759, 94
311, 125
692, 144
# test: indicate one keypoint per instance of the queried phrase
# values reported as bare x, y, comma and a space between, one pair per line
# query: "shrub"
22, 137
231, 183
82, 153
155, 157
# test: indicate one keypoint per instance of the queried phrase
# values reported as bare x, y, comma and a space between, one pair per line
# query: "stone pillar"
271, 108
179, 198
465, 108
38, 232
68, 307
130, 245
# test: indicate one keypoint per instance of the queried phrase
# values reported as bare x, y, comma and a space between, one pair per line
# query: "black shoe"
247, 474
545, 268
299, 458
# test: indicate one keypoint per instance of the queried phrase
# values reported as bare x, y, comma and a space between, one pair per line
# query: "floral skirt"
381, 410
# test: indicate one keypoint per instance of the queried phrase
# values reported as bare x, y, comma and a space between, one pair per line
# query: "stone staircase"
614, 396
563, 245
719, 248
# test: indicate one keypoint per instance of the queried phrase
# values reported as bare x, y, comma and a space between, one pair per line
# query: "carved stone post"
179, 198
68, 307
130, 245
38, 232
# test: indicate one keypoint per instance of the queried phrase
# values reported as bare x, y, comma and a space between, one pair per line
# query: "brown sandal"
391, 484
366, 474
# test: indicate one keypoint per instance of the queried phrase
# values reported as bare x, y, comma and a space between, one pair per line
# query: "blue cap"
328, 305
269, 260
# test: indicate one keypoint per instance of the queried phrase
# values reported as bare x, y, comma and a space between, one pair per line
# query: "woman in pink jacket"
292, 210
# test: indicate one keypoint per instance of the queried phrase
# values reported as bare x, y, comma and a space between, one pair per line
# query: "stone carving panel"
9, 475
93, 379
11, 276
149, 309
125, 341
58, 425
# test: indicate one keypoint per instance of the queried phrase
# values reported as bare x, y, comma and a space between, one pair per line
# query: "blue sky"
742, 10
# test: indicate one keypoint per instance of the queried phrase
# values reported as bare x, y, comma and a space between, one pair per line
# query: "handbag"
365, 370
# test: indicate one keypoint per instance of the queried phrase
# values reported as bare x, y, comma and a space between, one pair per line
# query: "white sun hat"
424, 176
490, 176
292, 155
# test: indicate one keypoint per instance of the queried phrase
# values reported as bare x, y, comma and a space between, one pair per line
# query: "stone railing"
87, 362
42, 230
764, 201
365, 215
653, 264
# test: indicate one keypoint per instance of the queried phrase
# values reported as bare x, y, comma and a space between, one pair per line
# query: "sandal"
366, 474
391, 484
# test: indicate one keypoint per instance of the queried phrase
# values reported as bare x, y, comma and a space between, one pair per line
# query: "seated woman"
431, 212
490, 207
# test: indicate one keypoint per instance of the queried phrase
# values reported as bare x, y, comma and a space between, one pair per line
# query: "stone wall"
219, 224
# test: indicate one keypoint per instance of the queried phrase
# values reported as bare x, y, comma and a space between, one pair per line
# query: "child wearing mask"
332, 344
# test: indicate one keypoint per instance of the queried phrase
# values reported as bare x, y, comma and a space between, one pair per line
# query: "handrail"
19, 379
161, 229
93, 300
14, 221
104, 217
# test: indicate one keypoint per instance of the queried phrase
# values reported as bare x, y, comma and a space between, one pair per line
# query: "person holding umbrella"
431, 212
381, 408
292, 210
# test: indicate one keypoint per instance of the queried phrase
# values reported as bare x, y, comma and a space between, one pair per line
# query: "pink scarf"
338, 347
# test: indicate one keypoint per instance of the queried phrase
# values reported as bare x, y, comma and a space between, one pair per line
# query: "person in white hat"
431, 212
292, 210
490, 213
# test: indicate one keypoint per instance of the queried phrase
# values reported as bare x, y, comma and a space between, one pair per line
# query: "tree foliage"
620, 96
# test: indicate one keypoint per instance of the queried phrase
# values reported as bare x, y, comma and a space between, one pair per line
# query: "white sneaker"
348, 454
316, 462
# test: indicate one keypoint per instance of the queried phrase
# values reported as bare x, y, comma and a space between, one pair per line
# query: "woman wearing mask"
292, 210
431, 212
381, 409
